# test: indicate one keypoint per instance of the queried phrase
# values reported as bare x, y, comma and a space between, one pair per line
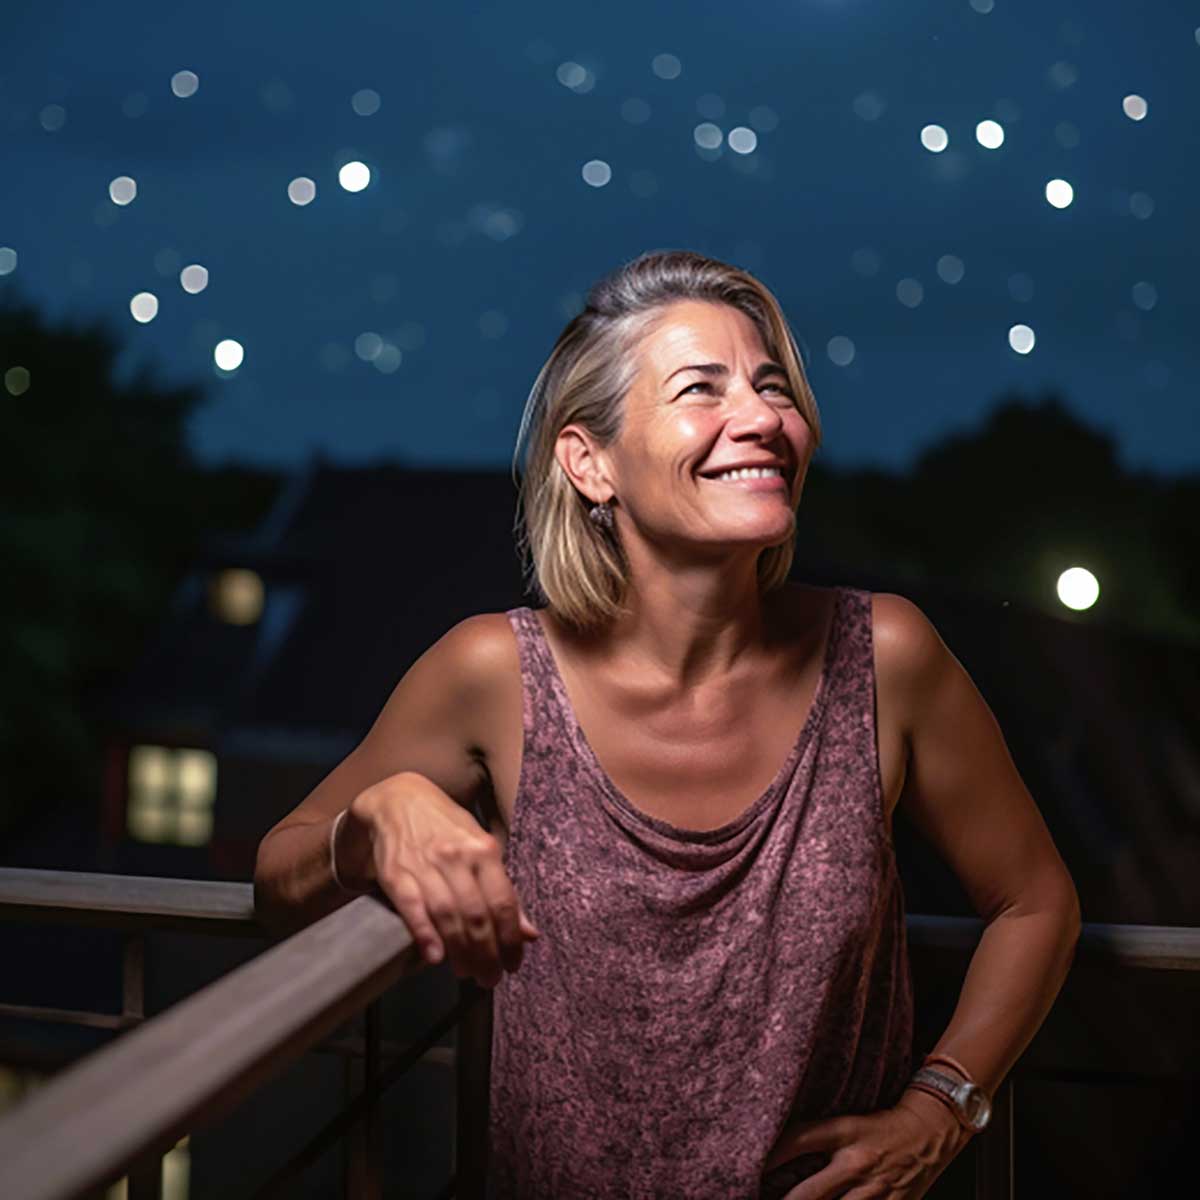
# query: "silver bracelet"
333, 852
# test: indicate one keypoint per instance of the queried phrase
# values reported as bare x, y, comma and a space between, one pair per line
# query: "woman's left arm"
964, 794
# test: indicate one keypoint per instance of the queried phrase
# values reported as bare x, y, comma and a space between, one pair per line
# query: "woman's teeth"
750, 473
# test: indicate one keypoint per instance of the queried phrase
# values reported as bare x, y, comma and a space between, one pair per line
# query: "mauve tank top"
694, 990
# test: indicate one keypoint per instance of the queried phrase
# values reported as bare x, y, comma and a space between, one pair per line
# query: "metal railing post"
472, 1070
994, 1149
363, 1166
144, 1181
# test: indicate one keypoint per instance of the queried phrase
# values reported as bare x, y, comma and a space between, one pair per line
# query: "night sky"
518, 152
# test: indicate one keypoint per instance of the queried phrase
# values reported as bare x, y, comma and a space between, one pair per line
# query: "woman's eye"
777, 387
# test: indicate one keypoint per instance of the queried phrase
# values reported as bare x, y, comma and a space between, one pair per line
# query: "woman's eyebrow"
760, 372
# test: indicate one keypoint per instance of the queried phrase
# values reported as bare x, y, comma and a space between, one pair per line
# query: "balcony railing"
120, 1108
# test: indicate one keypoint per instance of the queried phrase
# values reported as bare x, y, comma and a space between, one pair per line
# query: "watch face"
976, 1106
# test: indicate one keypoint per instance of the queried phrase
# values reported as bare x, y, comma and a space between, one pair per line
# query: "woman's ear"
583, 463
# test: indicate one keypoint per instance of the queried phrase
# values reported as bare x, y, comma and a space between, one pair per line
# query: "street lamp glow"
1078, 588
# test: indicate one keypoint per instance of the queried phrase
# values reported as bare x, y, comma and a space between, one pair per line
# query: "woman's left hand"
893, 1154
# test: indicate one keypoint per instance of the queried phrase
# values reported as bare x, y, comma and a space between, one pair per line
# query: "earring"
602, 515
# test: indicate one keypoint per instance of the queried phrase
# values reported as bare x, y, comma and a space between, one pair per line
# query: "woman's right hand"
443, 873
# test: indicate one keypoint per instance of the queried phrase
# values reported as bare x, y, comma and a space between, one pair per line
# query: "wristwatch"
968, 1101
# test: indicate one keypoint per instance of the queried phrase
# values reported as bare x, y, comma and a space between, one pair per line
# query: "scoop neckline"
680, 832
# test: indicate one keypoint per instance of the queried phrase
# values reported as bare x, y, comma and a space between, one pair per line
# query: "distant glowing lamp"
1078, 588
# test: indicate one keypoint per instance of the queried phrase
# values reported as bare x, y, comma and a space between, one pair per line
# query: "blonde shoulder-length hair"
570, 563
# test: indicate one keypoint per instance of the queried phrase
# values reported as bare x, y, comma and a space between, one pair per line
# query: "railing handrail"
197, 1060
146, 901
142, 1092
1145, 947
128, 901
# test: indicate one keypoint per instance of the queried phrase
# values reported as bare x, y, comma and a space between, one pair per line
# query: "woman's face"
683, 426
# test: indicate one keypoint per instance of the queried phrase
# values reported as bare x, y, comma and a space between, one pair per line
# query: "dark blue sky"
479, 234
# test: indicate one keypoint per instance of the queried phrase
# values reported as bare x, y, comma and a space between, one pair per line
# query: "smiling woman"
681, 882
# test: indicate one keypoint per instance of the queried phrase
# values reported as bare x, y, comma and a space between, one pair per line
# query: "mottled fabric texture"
693, 990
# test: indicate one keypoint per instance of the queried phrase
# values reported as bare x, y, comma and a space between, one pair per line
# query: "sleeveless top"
693, 991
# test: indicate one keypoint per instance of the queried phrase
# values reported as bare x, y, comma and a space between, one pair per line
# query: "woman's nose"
752, 409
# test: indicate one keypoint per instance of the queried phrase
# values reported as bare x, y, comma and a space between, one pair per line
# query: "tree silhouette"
101, 508
1006, 509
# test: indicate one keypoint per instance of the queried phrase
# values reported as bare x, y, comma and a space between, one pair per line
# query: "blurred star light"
1059, 193
193, 279
983, 6
989, 134
8, 260
301, 190
122, 190
596, 172
1078, 588
228, 354
144, 307
868, 106
950, 268
1021, 339
934, 138
707, 135
840, 350
666, 66
365, 102
910, 293
388, 359
742, 140
185, 83
354, 176
1134, 107
1145, 295
52, 118
16, 381
367, 346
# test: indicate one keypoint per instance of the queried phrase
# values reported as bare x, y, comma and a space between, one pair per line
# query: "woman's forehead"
697, 332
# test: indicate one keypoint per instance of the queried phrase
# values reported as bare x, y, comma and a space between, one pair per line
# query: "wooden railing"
119, 1109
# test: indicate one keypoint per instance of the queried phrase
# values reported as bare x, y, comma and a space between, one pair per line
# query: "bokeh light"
366, 102
1078, 588
910, 293
840, 350
185, 83
1145, 295
193, 279
666, 66
1059, 193
989, 134
934, 138
596, 172
144, 307
52, 118
354, 176
1021, 338
301, 190
707, 135
950, 268
16, 381
122, 190
1135, 108
8, 260
228, 354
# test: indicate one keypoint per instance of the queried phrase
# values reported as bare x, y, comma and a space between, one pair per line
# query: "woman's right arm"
407, 790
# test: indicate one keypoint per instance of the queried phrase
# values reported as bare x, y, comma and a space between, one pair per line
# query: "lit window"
171, 795
236, 596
